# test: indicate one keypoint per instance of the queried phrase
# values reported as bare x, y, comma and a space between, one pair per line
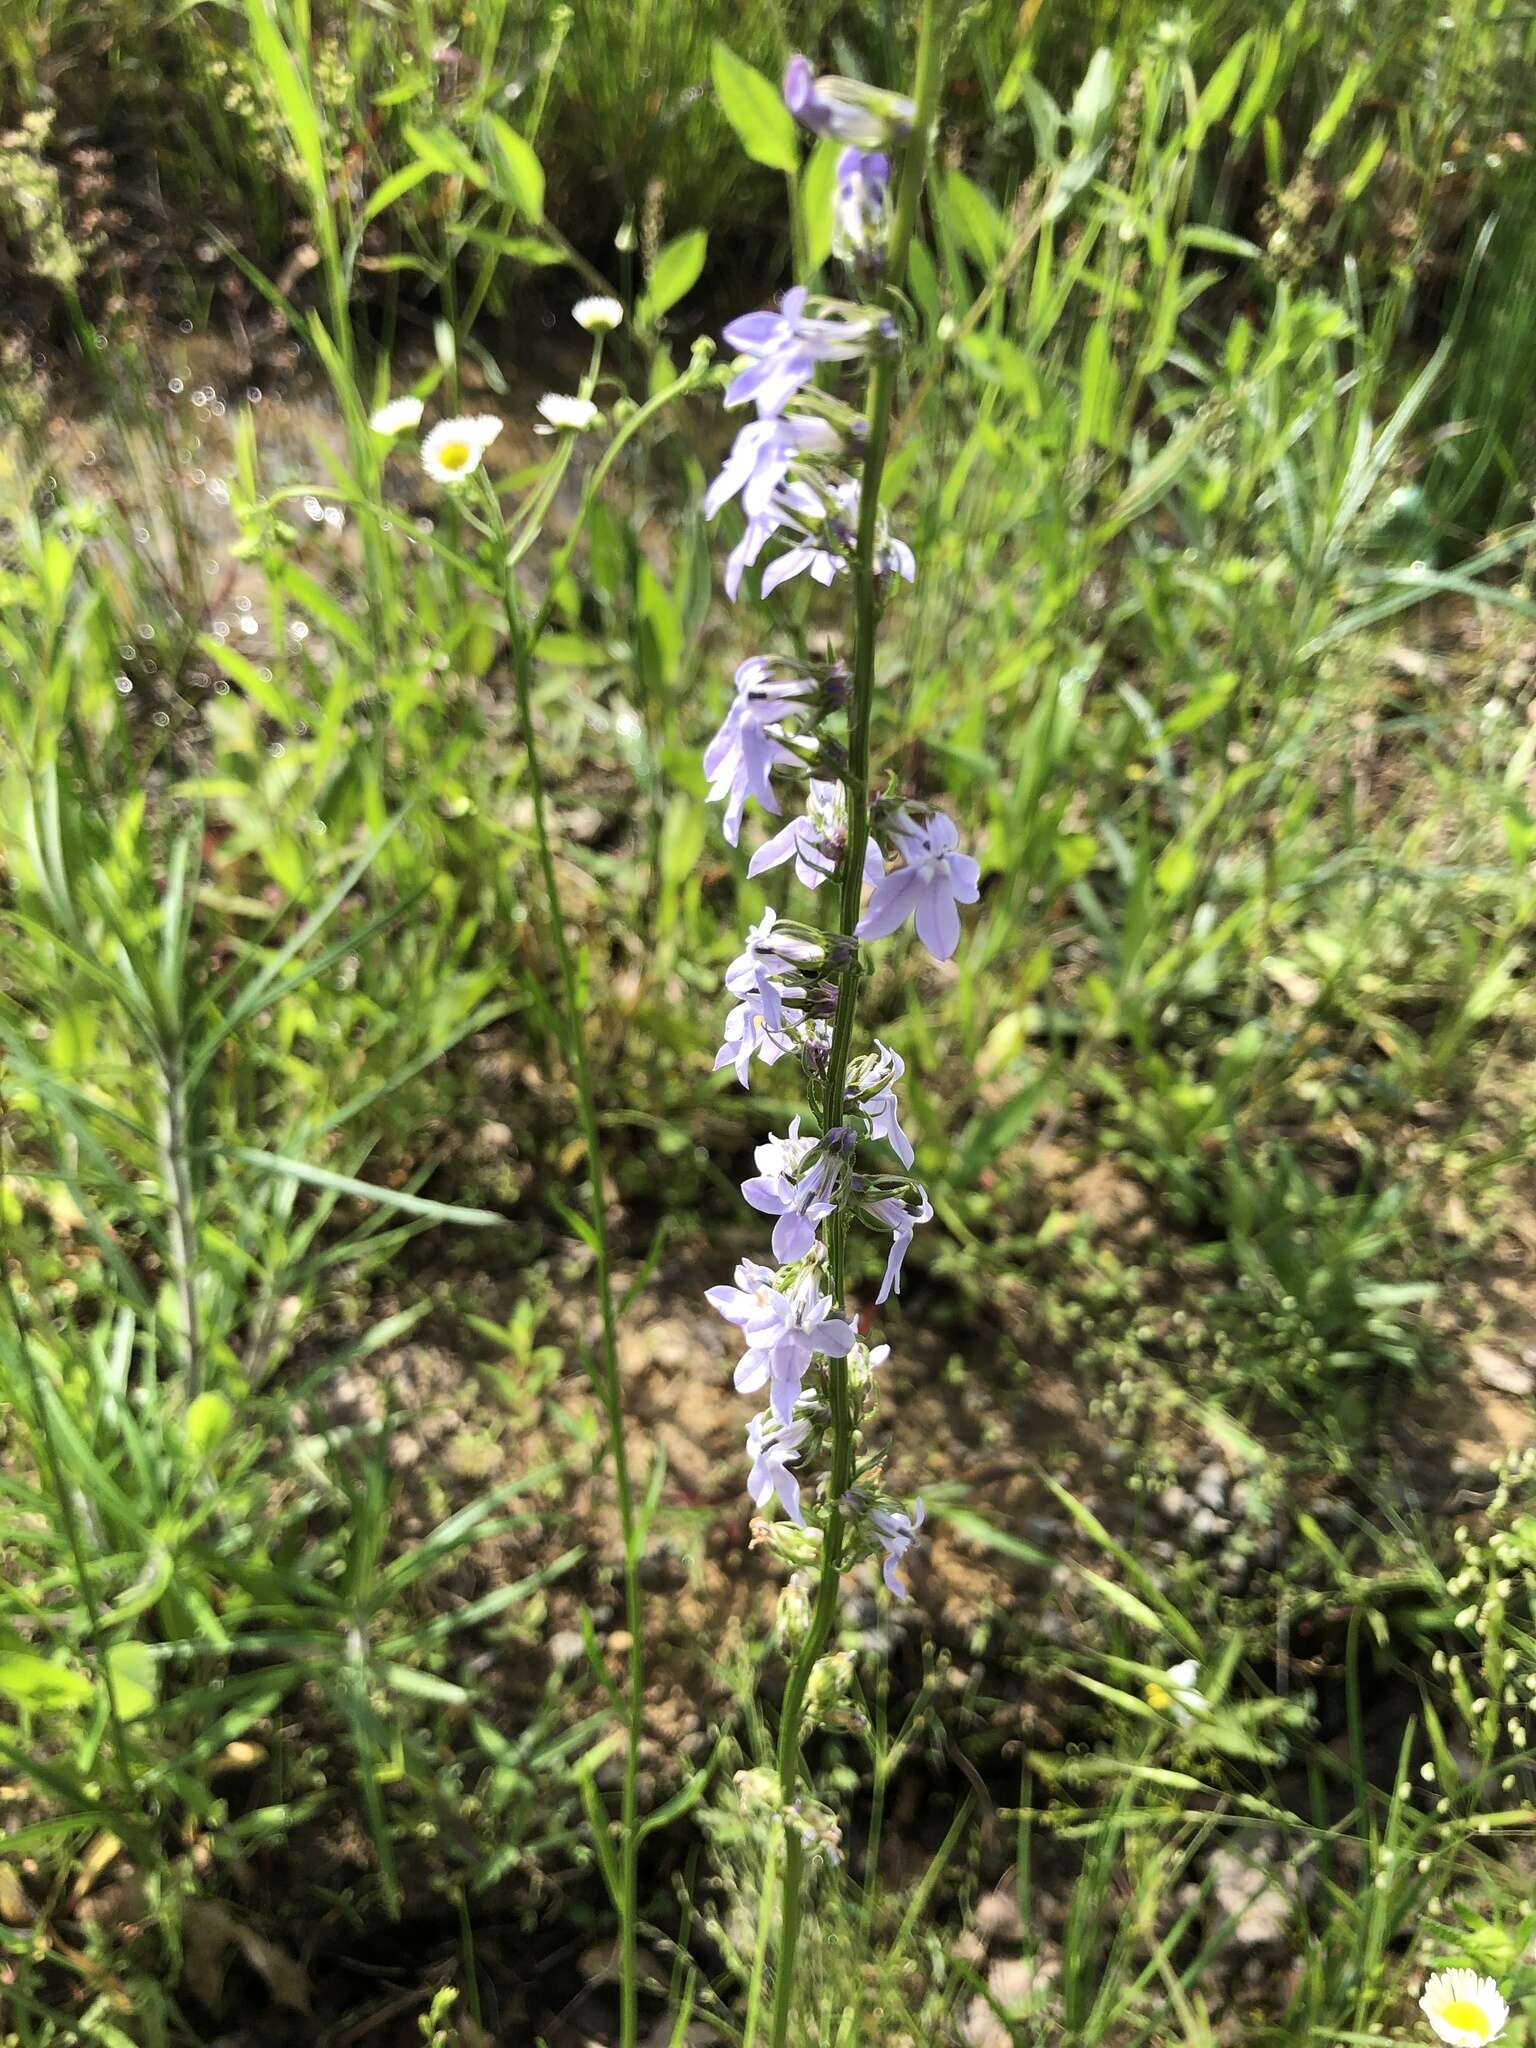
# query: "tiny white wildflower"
1464, 2009
1178, 1695
454, 447
598, 314
397, 417
566, 415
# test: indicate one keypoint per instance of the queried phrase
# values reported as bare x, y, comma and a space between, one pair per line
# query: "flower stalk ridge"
805, 472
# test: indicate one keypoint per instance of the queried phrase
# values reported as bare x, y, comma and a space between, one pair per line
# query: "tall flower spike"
790, 469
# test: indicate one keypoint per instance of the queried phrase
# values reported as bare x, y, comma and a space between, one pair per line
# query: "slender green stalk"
878, 402
182, 1225
522, 637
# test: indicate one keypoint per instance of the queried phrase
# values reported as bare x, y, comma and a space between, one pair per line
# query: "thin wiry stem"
609, 1384
878, 403
176, 1171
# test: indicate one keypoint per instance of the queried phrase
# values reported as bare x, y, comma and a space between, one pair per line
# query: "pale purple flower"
740, 1303
793, 1327
797, 1182
897, 1531
845, 109
872, 1082
750, 743
755, 537
826, 541
932, 879
861, 206
748, 1037
773, 1447
817, 840
770, 952
786, 346
762, 456
823, 564
900, 1215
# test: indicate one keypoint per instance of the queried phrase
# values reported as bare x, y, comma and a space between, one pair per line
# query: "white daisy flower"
598, 314
454, 447
565, 415
1463, 2008
1178, 1696
398, 417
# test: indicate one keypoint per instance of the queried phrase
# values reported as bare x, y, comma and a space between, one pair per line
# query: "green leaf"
208, 1421
1176, 869
135, 1672
522, 173
366, 1190
675, 274
38, 1684
815, 201
1094, 97
395, 186
682, 840
751, 103
521, 248
975, 219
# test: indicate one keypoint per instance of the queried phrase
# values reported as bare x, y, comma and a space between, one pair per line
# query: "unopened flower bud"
792, 1617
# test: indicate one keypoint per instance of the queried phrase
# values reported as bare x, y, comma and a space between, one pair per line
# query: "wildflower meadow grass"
766, 1199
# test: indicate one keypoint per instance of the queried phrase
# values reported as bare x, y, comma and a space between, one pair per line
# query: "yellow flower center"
1463, 2014
1158, 1696
453, 454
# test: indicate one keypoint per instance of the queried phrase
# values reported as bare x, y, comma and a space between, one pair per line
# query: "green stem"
610, 1389
881, 392
182, 1222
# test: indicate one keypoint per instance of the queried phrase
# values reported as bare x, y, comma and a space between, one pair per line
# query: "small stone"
1211, 1487
1498, 1370
1207, 1525
997, 1917
1244, 1889
1175, 1505
566, 1646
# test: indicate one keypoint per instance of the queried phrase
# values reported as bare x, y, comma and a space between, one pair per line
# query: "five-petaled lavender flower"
784, 1333
795, 480
816, 840
786, 346
798, 1180
933, 877
773, 1447
762, 456
897, 1531
845, 109
751, 742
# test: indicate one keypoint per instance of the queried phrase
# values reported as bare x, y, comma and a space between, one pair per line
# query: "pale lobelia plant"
807, 471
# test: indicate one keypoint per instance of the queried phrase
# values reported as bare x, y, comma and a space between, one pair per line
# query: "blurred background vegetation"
1216, 456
